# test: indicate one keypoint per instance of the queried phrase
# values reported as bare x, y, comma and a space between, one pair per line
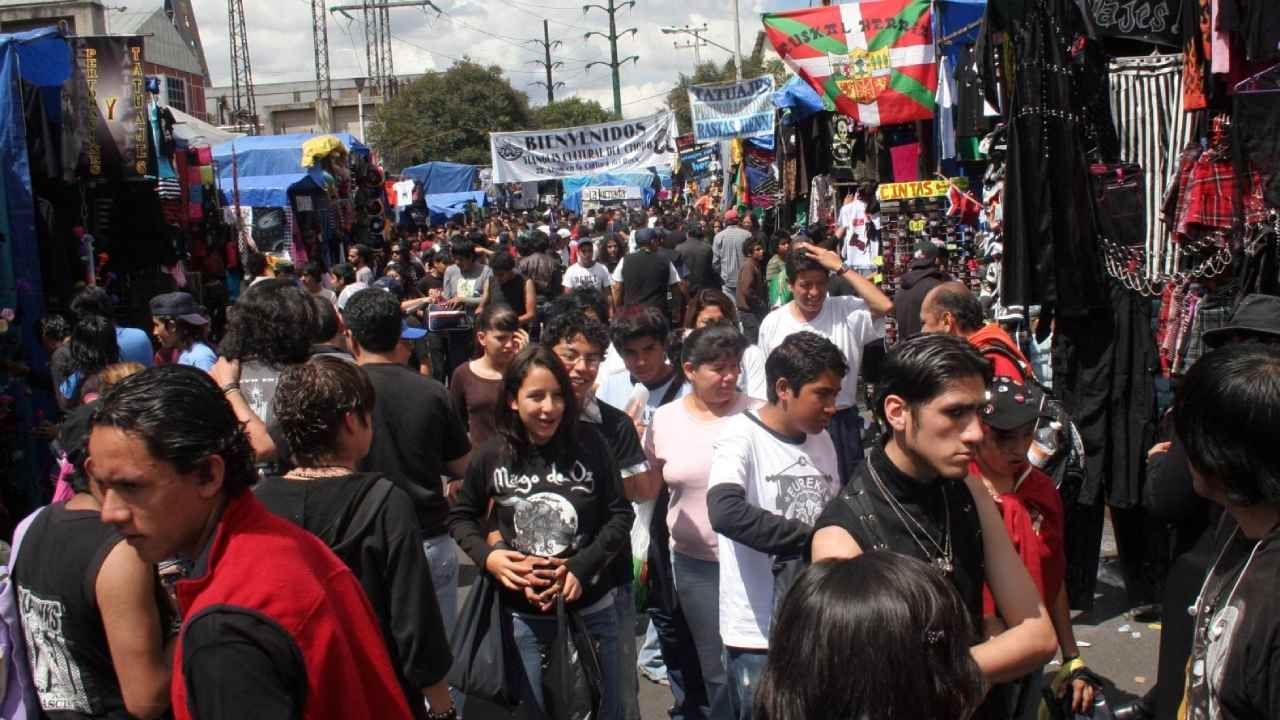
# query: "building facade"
290, 107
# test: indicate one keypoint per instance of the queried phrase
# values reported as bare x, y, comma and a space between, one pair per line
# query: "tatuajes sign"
625, 146
724, 111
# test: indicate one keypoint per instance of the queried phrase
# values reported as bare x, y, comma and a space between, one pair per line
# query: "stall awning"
267, 155
443, 177
263, 190
444, 206
194, 132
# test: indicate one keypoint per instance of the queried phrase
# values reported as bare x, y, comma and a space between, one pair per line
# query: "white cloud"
280, 45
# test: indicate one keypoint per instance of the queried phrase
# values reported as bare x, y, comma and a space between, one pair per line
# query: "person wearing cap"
417, 436
178, 324
726, 252
1033, 516
925, 274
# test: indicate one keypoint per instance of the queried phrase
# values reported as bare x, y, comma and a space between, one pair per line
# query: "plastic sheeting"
263, 190
958, 21
800, 98
573, 187
194, 132
41, 58
444, 206
437, 178
266, 155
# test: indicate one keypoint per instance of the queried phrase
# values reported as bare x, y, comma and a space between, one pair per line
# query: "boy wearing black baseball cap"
1033, 516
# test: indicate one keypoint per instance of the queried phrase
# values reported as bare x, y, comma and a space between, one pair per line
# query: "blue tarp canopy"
40, 58
958, 21
266, 155
444, 206
264, 190
573, 187
443, 177
800, 97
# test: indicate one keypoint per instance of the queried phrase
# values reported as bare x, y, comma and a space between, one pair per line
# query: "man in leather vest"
913, 497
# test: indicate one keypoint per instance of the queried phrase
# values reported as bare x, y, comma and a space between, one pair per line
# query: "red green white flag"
871, 60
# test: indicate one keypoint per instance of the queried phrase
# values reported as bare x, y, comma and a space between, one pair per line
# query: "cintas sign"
624, 146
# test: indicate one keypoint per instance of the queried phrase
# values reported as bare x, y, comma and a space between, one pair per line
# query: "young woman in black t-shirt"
561, 515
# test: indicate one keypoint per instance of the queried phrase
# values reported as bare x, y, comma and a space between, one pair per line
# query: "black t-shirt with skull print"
552, 502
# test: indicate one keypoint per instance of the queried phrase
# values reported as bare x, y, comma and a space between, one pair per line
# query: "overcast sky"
491, 32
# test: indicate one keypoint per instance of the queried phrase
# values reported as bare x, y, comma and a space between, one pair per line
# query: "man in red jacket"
274, 624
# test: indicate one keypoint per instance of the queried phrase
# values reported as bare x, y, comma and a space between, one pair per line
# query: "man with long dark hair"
273, 622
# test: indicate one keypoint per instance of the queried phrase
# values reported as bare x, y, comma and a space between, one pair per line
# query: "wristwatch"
844, 268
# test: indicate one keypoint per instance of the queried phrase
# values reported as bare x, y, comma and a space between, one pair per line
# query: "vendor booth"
629, 197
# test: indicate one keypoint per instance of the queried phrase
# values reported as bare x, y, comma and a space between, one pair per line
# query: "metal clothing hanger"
1264, 82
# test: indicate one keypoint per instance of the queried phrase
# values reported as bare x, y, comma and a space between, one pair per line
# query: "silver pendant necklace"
942, 561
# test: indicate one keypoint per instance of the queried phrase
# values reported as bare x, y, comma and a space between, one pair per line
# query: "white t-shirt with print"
596, 277
845, 321
795, 480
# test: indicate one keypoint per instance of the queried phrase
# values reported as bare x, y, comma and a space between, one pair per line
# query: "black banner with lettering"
113, 103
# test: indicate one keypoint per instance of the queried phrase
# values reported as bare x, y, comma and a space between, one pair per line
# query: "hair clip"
933, 637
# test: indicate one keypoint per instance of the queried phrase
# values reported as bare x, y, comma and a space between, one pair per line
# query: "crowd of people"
683, 432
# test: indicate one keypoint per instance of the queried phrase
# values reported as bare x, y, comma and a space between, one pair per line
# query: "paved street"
1113, 651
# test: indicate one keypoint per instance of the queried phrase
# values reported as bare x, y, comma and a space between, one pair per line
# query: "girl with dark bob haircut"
877, 637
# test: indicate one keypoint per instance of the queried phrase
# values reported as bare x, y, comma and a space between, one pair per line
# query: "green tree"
753, 65
570, 113
448, 116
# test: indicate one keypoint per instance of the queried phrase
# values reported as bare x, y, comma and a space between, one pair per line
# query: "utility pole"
324, 88
547, 44
614, 63
244, 111
737, 44
379, 60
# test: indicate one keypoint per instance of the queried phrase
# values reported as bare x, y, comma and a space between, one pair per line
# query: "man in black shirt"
644, 276
580, 343
1226, 417
417, 437
695, 254
913, 497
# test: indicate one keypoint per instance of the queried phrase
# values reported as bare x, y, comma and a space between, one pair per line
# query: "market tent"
573, 187
958, 21
800, 97
266, 155
39, 58
444, 206
263, 190
443, 177
194, 132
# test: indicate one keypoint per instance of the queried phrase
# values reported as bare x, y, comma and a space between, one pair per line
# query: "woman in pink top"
680, 439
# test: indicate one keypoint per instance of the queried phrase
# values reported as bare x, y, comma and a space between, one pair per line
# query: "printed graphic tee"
782, 476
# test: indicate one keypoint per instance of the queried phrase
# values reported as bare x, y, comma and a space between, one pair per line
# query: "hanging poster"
699, 161
725, 111
623, 146
873, 59
113, 103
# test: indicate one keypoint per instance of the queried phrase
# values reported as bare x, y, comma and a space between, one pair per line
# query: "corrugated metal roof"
164, 45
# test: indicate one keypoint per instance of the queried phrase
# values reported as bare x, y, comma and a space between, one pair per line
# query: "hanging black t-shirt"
415, 433
56, 577
552, 502
374, 530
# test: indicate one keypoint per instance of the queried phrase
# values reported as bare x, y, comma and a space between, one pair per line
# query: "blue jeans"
698, 590
624, 610
649, 660
533, 638
442, 556
744, 668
